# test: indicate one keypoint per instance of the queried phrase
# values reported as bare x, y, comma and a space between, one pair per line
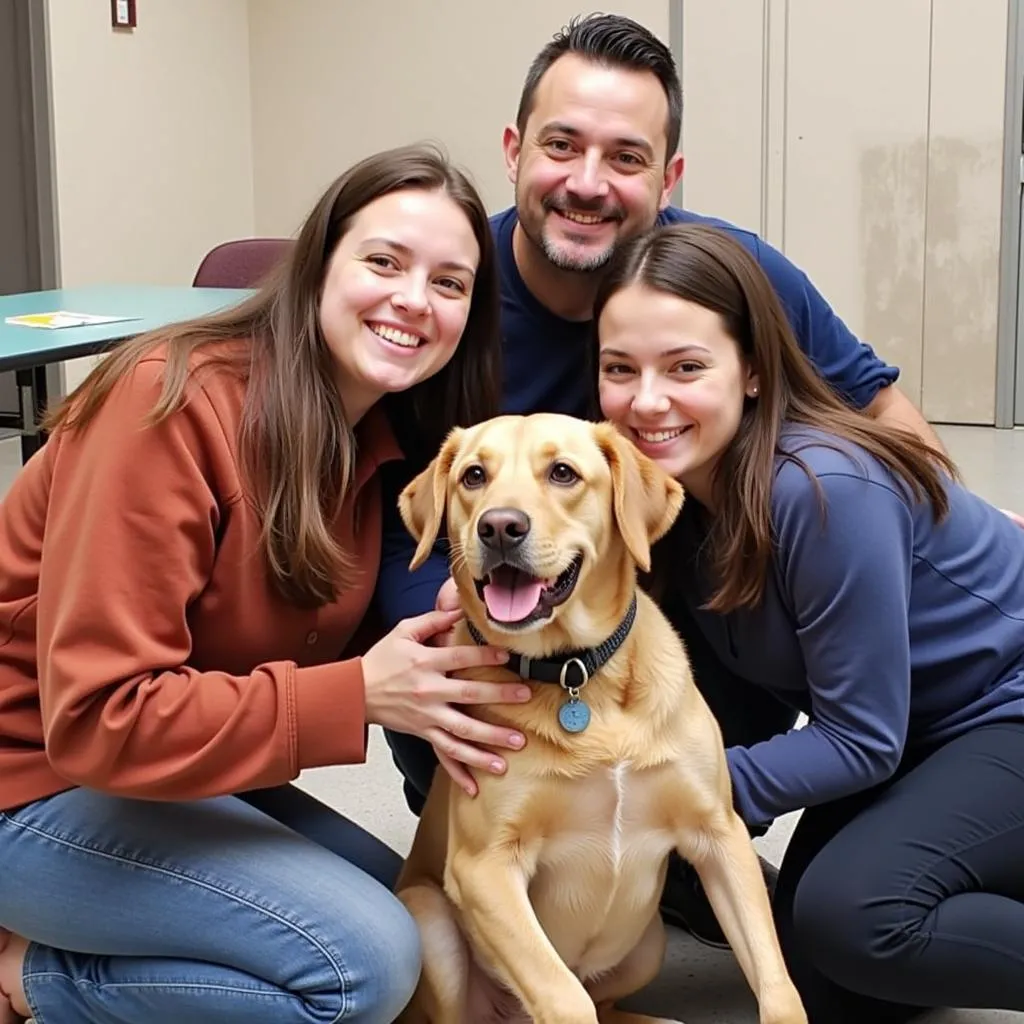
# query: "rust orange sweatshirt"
143, 649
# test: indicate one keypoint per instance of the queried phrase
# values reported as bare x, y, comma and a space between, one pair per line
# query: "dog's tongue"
511, 595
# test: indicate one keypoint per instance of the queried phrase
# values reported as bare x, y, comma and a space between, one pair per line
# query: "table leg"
32, 399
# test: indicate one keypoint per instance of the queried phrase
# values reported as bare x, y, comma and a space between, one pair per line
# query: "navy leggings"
912, 895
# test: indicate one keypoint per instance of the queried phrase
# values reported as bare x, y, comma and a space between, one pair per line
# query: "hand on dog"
408, 690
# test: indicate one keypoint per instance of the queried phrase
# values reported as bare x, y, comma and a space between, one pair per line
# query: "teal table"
28, 351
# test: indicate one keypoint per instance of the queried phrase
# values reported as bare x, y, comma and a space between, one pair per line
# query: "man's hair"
617, 42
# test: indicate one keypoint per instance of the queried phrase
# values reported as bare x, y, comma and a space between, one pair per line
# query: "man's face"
590, 170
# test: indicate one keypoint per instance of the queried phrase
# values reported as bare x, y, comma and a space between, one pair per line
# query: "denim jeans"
263, 907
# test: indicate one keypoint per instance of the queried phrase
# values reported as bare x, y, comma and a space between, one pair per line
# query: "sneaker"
685, 905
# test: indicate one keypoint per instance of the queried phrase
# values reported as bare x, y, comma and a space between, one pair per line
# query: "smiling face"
547, 515
396, 294
591, 168
673, 381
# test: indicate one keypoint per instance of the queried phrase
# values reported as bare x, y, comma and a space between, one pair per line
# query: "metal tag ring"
585, 678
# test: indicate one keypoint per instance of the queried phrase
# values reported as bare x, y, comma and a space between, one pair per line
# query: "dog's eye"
562, 473
474, 476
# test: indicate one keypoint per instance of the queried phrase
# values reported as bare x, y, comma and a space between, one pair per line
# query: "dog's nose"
503, 528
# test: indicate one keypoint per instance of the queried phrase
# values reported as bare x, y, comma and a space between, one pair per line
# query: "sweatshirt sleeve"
130, 541
847, 579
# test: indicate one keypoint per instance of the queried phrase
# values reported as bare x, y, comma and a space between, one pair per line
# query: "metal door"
28, 245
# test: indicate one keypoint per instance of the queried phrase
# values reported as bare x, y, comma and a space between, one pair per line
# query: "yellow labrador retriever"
537, 899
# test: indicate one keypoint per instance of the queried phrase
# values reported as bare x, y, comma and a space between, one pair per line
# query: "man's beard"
575, 264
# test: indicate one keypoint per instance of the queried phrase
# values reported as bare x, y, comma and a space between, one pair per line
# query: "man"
592, 155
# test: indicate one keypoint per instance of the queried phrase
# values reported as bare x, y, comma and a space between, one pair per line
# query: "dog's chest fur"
600, 864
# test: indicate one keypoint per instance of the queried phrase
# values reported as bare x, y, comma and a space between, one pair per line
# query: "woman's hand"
408, 690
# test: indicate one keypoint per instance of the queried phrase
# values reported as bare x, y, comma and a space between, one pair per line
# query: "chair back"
242, 263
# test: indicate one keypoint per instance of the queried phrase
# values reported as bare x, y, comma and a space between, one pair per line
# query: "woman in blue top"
840, 565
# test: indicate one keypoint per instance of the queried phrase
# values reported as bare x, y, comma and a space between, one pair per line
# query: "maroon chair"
242, 263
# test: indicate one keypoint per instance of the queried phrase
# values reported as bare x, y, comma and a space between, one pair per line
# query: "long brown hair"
296, 447
706, 266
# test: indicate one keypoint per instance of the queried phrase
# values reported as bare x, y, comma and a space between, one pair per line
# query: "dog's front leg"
726, 861
490, 889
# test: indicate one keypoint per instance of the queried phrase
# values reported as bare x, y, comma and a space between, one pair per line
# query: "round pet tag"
574, 716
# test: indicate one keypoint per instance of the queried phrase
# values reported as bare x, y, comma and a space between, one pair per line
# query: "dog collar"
571, 669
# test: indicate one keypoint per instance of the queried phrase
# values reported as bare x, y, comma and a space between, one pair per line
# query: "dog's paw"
786, 1009
578, 1009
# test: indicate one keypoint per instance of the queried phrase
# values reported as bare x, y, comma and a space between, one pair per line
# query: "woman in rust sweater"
181, 566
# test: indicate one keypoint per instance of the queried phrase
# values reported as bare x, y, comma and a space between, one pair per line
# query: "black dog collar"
571, 669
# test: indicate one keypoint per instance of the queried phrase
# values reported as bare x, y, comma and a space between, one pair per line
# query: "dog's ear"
645, 498
422, 501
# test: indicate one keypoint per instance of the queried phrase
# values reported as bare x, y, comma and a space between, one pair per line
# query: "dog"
537, 899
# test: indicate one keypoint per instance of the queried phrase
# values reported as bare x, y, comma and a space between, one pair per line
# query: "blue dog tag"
574, 715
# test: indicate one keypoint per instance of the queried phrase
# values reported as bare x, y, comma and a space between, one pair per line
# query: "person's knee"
370, 963
391, 961
851, 929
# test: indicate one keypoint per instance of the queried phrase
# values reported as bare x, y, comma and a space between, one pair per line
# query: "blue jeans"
268, 906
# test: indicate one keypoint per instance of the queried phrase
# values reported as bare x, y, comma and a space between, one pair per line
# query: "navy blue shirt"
546, 360
889, 630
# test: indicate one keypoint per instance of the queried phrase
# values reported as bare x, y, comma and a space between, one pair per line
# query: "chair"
242, 263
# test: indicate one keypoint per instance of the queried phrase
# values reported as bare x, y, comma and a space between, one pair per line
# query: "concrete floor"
698, 985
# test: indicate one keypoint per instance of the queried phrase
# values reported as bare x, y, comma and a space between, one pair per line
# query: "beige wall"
332, 83
723, 99
152, 137
856, 166
865, 140
965, 156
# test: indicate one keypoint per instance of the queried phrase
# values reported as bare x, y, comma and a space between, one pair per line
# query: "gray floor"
698, 985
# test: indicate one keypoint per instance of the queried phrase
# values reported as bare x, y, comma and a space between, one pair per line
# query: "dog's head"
548, 517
